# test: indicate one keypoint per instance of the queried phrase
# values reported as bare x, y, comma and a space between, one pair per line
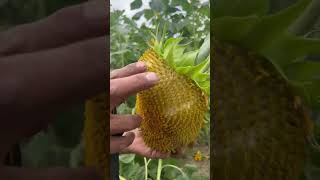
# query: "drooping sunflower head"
248, 24
173, 111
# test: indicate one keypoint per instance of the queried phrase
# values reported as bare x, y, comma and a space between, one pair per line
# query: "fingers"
121, 88
118, 143
123, 123
128, 70
66, 26
57, 76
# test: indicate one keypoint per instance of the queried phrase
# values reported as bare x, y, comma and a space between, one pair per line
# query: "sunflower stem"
146, 163
307, 19
159, 169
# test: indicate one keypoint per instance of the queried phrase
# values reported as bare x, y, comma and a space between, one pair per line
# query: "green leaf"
205, 86
181, 24
202, 77
223, 8
157, 5
136, 4
233, 29
126, 158
188, 59
297, 46
138, 15
305, 76
172, 9
303, 71
204, 50
148, 14
170, 57
195, 73
170, 45
129, 171
189, 169
205, 10
262, 34
76, 156
186, 6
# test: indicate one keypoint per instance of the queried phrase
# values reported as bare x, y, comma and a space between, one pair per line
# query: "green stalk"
146, 163
175, 167
159, 169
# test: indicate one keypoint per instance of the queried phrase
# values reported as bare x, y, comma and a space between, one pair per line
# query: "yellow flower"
197, 156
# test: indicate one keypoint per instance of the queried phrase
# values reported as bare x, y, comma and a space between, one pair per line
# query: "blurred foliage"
13, 12
60, 144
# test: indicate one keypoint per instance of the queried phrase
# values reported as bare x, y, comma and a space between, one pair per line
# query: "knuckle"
114, 74
132, 124
126, 141
131, 67
140, 80
113, 89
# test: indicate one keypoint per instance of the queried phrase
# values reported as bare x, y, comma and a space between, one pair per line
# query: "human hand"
139, 147
59, 60
125, 82
45, 66
48, 65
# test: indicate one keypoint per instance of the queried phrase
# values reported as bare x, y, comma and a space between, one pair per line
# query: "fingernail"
152, 77
140, 64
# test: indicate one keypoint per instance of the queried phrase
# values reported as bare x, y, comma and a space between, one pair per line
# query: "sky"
125, 5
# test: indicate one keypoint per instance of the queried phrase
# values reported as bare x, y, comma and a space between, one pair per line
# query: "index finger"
131, 69
66, 26
121, 88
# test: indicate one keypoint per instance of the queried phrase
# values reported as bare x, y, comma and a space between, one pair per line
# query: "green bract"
247, 24
183, 62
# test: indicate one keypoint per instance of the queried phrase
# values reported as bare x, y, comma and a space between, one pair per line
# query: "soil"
204, 164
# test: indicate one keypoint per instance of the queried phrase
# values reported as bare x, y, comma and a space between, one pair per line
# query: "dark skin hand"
44, 67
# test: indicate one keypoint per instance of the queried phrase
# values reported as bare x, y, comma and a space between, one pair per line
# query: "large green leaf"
233, 29
298, 47
204, 50
157, 5
262, 34
306, 77
237, 8
188, 58
127, 158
